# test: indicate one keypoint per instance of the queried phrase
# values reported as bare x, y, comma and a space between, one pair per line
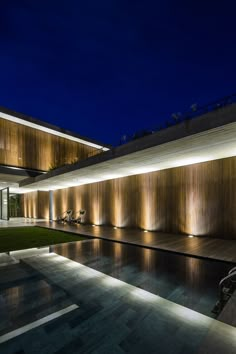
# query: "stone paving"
113, 316
18, 222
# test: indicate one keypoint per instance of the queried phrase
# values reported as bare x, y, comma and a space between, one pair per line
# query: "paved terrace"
207, 247
19, 222
98, 314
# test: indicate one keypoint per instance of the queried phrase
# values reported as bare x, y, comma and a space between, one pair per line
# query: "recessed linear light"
191, 160
51, 131
145, 169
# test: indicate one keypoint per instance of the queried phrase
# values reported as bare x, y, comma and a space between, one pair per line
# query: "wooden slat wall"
29, 202
35, 205
43, 205
31, 148
198, 199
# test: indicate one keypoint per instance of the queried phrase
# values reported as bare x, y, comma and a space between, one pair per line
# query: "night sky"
112, 67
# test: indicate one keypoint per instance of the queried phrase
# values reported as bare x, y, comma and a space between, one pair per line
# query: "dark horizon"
109, 69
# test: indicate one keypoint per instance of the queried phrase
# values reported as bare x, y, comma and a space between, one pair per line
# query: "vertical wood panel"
35, 205
227, 206
23, 146
43, 205
30, 205
199, 199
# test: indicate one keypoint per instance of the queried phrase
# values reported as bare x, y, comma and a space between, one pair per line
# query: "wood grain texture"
197, 199
35, 205
26, 147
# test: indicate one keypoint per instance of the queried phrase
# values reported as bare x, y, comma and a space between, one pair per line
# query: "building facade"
179, 180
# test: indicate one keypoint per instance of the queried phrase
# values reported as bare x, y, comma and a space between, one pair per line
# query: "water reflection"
189, 281
147, 260
13, 295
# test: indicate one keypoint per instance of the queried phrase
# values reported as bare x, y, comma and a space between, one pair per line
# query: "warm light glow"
95, 209
78, 202
194, 222
181, 152
147, 214
114, 227
147, 259
145, 230
118, 208
117, 251
96, 245
50, 131
190, 236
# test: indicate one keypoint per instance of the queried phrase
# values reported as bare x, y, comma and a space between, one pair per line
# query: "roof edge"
205, 122
34, 123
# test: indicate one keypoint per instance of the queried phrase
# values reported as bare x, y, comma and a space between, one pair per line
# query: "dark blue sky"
109, 67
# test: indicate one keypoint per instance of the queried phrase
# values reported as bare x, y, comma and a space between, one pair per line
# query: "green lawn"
17, 238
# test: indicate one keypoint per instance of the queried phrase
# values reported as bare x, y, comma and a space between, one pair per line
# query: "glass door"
14, 206
4, 204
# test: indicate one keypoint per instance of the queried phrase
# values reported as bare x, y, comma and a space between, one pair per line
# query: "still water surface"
188, 281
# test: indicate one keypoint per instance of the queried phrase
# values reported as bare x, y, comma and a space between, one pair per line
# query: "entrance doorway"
14, 206
4, 203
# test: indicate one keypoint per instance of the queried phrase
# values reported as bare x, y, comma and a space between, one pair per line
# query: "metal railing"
227, 286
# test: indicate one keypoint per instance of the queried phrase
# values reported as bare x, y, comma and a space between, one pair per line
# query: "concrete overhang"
10, 176
209, 137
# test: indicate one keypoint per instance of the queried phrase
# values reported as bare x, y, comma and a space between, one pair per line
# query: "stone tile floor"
18, 222
188, 281
113, 316
26, 296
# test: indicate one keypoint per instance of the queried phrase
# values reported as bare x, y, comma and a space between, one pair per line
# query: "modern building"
181, 179
30, 148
